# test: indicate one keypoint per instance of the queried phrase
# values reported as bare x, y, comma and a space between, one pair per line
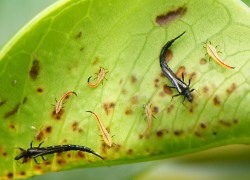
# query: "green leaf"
66, 44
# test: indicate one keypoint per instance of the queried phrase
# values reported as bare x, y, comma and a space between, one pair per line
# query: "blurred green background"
229, 162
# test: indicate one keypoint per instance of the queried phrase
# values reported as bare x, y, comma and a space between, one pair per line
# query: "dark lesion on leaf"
12, 112
170, 16
35, 69
3, 102
57, 116
79, 34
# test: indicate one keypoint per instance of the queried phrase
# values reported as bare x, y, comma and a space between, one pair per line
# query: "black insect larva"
179, 84
34, 152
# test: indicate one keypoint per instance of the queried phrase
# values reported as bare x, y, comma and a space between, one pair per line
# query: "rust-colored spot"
38, 168
161, 132
39, 90
10, 175
169, 56
81, 49
178, 132
117, 147
167, 90
124, 91
180, 72
156, 82
108, 107
203, 61
79, 34
2, 102
170, 16
34, 71
155, 109
205, 89
61, 161
203, 125
68, 155
170, 108
191, 110
25, 100
40, 136
104, 148
12, 112
130, 151
96, 61
235, 121
133, 79
216, 100
22, 173
231, 88
128, 111
5, 154
225, 123
48, 129
11, 126
75, 126
57, 116
80, 154
196, 133
134, 99
193, 75
47, 163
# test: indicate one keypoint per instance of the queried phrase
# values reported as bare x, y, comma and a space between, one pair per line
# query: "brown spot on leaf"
205, 89
124, 91
155, 109
39, 136
108, 107
61, 161
170, 108
128, 111
180, 71
216, 100
203, 61
2, 102
57, 116
39, 90
156, 82
10, 175
80, 154
198, 134
134, 99
161, 132
81, 49
167, 90
96, 61
178, 132
130, 151
75, 126
5, 154
231, 88
25, 99
117, 147
12, 112
235, 121
22, 173
170, 16
133, 79
225, 123
203, 125
193, 75
79, 34
48, 129
12, 126
34, 71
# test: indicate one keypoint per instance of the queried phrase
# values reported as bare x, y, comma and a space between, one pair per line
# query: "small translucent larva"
213, 53
60, 102
106, 136
100, 76
149, 116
